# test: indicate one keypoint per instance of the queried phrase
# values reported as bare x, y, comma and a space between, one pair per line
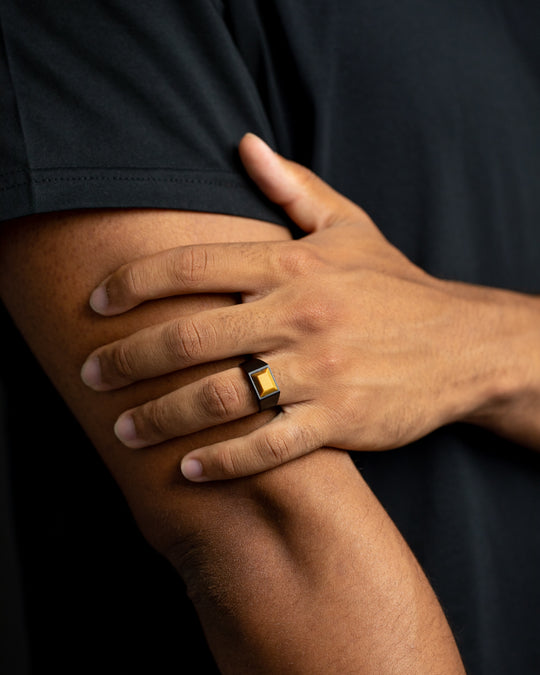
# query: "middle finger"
184, 342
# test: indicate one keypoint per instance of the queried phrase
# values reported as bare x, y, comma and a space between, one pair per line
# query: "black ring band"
262, 382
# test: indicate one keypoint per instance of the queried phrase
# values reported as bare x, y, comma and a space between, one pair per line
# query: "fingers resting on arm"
369, 351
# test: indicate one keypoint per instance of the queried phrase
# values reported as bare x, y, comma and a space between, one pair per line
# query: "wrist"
500, 352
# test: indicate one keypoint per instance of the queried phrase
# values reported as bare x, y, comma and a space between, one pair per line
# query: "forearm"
316, 579
501, 371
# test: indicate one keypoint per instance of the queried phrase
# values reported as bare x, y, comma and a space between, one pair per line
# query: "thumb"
307, 199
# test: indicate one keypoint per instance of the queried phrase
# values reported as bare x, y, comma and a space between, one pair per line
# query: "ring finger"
213, 400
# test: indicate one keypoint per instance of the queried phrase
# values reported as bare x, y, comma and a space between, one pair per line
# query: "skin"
288, 574
369, 351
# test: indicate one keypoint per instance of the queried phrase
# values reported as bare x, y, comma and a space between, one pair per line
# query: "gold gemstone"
264, 382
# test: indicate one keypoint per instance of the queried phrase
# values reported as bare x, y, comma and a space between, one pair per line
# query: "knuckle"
229, 463
190, 267
331, 362
308, 180
127, 283
220, 400
314, 313
191, 340
121, 362
298, 260
274, 448
151, 420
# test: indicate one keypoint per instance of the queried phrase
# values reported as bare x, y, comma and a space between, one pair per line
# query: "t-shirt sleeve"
123, 104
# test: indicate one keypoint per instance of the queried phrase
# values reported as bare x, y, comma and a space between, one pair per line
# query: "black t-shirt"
427, 115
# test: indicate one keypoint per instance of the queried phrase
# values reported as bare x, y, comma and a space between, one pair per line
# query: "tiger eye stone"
264, 382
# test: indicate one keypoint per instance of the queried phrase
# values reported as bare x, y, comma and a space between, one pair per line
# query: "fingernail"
91, 373
125, 430
192, 469
99, 299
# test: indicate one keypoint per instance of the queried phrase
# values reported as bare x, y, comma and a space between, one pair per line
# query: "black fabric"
112, 105
426, 114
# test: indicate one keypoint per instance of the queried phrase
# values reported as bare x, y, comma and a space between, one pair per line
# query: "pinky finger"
291, 434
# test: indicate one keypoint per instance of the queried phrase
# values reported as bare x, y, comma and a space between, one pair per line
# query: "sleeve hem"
46, 190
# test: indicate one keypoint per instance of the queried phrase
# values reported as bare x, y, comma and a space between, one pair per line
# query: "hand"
369, 351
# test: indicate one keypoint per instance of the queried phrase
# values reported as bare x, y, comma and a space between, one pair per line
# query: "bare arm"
288, 573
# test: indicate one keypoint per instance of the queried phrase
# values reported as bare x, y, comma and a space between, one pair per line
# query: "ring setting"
262, 382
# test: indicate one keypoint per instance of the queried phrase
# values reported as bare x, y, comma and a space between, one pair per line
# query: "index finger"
210, 268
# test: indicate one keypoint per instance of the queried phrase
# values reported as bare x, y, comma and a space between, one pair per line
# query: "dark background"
81, 591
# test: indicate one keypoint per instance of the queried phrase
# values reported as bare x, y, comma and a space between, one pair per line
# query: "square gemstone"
264, 382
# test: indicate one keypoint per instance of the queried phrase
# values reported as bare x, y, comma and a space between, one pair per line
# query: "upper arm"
49, 265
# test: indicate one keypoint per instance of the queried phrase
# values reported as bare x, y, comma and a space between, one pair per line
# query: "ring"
262, 382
